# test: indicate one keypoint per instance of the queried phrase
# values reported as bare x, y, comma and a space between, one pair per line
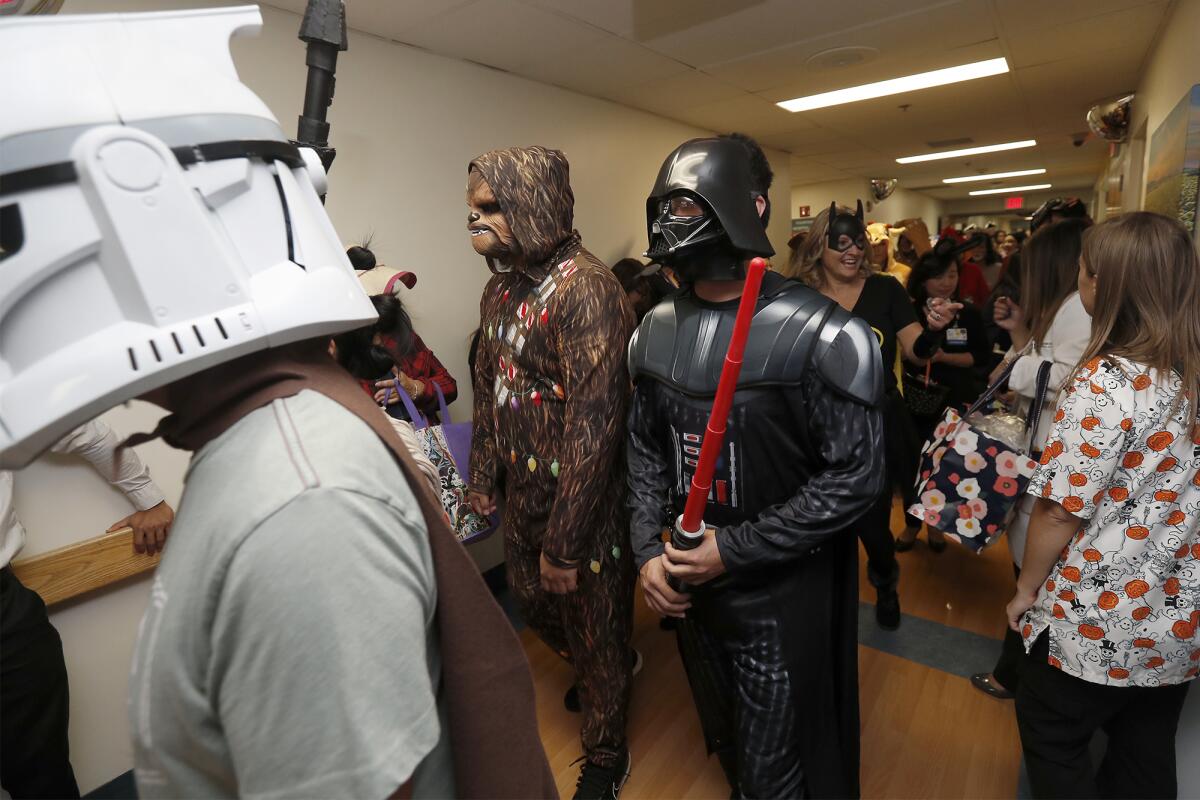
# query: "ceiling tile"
721, 64
498, 33
676, 93
1021, 17
748, 113
614, 17
900, 42
1120, 32
805, 142
604, 66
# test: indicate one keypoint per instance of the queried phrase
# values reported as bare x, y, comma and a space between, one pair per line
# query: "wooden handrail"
84, 566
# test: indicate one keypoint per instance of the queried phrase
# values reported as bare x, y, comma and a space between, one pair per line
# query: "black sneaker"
571, 698
602, 783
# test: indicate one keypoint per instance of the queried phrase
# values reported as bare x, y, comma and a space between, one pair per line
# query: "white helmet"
154, 219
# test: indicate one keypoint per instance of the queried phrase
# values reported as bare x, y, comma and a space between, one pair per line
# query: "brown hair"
1050, 273
1147, 306
804, 263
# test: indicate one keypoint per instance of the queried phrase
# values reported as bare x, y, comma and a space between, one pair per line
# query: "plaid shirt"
421, 365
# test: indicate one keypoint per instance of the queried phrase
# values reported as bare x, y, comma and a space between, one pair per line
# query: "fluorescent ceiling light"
1011, 189
994, 176
909, 83
969, 151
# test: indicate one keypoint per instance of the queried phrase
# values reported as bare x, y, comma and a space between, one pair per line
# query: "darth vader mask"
683, 221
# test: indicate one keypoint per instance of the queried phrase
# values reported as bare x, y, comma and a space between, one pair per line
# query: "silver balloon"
1110, 120
882, 188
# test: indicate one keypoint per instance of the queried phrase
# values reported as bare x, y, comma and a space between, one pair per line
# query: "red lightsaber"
690, 524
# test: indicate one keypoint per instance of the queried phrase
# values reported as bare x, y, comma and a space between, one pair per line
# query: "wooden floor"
925, 733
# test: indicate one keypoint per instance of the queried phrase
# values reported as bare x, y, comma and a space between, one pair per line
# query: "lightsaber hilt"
323, 30
691, 522
684, 540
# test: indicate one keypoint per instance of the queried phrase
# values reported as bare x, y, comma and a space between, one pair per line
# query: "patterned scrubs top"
1121, 603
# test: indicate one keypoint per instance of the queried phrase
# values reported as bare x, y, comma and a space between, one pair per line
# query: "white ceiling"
723, 64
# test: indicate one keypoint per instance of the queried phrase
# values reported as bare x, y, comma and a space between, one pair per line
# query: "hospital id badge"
956, 336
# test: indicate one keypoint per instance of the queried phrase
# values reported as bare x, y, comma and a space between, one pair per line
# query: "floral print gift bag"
969, 481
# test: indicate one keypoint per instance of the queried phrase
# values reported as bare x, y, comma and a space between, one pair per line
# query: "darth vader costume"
770, 646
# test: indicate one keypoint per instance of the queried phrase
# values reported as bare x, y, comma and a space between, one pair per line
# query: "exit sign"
1014, 202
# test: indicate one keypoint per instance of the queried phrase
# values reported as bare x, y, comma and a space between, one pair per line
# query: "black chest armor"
798, 339
682, 343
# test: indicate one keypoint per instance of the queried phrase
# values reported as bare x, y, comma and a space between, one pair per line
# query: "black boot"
887, 603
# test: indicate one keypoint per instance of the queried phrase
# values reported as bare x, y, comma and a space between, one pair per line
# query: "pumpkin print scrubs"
1121, 603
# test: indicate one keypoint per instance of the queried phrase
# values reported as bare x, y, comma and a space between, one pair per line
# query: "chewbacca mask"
521, 206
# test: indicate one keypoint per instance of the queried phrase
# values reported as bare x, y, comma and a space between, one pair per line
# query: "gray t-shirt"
289, 647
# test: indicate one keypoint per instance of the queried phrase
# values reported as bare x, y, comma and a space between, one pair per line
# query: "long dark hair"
361, 357
1049, 273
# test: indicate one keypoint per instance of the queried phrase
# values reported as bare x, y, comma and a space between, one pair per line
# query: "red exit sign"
1014, 202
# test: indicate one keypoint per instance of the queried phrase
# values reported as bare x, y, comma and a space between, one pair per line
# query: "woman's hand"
385, 390
1022, 601
1008, 315
940, 312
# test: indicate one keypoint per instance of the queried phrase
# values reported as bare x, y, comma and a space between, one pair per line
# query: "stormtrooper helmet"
154, 219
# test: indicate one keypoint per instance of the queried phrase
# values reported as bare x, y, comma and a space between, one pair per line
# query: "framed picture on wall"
1173, 170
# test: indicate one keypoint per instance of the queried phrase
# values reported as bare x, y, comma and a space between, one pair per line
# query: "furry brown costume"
551, 392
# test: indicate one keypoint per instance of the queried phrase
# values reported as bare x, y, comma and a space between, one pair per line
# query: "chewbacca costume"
551, 392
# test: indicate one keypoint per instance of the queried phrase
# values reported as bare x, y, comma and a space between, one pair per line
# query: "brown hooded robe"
551, 393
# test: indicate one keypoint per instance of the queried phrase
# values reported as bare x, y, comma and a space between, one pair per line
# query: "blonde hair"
1147, 306
804, 263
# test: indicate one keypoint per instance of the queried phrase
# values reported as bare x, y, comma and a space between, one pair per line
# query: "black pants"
1058, 714
732, 648
1012, 653
34, 704
902, 451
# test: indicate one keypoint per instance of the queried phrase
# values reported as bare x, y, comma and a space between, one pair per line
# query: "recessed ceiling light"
994, 176
968, 151
1007, 189
909, 83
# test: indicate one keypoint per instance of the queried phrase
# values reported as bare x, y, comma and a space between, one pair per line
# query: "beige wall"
902, 204
1172, 69
405, 123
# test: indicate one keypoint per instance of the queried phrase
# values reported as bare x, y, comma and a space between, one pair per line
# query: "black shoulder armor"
682, 343
848, 357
